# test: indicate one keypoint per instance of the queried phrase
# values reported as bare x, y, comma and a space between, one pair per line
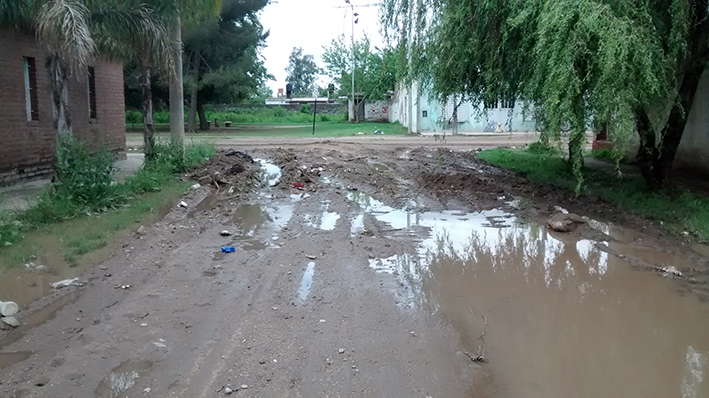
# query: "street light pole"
354, 108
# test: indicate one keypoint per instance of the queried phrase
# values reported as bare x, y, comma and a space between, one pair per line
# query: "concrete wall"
424, 113
376, 111
324, 108
693, 151
27, 147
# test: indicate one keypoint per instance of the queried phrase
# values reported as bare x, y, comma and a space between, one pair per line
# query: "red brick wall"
27, 147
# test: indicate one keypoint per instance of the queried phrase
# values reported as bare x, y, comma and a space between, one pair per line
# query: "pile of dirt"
228, 168
295, 171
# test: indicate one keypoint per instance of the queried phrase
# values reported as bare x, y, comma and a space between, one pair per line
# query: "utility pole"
354, 66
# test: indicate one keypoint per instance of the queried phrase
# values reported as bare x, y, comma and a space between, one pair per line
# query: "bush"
80, 176
134, 117
306, 108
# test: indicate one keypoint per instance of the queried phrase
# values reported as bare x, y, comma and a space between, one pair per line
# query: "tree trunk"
577, 138
656, 159
60, 96
177, 102
148, 125
203, 124
192, 117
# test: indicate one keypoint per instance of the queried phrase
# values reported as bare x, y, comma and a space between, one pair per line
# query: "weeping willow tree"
630, 65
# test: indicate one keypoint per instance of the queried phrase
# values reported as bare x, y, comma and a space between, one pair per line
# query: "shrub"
134, 117
306, 108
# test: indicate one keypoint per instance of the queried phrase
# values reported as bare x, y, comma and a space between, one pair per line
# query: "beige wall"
693, 151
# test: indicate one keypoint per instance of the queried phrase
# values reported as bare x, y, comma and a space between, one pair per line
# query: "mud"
394, 271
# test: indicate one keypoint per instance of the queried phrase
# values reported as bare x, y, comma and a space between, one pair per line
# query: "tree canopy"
631, 66
375, 71
302, 72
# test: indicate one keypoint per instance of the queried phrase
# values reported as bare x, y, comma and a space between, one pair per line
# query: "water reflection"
270, 174
566, 318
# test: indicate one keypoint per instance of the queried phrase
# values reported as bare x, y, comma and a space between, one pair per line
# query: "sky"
312, 24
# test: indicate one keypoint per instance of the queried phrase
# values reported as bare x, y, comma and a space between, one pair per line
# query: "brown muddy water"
554, 315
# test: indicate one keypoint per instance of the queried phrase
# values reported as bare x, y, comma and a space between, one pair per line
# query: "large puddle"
554, 315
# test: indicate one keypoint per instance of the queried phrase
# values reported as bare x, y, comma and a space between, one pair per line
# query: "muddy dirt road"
395, 271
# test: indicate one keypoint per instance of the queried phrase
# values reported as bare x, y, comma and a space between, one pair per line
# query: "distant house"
412, 107
27, 133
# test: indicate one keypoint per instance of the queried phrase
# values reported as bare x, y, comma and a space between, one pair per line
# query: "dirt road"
395, 271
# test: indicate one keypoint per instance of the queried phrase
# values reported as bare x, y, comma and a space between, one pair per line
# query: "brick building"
27, 134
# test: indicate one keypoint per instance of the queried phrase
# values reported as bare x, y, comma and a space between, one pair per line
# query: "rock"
244, 387
11, 321
228, 390
341, 350
564, 222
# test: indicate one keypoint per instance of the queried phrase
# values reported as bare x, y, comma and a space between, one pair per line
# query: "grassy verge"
681, 211
322, 130
84, 212
275, 115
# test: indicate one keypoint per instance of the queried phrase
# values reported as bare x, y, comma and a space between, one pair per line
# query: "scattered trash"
225, 233
147, 390
195, 186
228, 249
140, 230
124, 287
8, 308
182, 204
311, 257
10, 321
244, 387
341, 351
297, 185
322, 321
35, 267
475, 358
65, 283
143, 325
228, 390
671, 270
239, 154
160, 343
378, 132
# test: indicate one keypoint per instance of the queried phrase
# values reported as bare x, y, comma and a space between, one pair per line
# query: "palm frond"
63, 26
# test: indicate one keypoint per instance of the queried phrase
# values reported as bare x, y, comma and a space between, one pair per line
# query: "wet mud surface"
382, 272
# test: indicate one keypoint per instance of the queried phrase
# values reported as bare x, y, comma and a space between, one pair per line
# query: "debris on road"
8, 308
565, 222
10, 321
182, 204
225, 233
297, 185
65, 283
228, 249
310, 256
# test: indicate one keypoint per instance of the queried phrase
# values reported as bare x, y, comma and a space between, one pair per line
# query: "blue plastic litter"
228, 249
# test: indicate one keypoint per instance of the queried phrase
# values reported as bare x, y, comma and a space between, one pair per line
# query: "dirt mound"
295, 171
228, 168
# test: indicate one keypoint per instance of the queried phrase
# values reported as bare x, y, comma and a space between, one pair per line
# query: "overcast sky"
311, 24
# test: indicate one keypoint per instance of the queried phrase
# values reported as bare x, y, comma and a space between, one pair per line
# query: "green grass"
322, 130
275, 115
64, 221
679, 211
